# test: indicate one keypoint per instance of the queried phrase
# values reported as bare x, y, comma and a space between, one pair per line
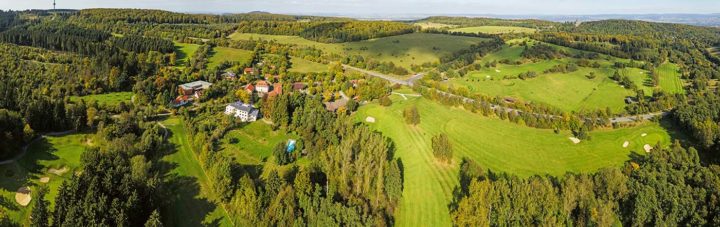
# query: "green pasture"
252, 143
221, 54
300, 65
494, 29
402, 50
110, 99
184, 51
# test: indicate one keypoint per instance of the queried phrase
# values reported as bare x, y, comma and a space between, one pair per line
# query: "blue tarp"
291, 146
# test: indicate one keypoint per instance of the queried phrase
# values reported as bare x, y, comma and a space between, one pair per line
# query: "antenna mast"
54, 4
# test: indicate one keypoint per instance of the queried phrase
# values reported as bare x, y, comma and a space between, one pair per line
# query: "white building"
245, 112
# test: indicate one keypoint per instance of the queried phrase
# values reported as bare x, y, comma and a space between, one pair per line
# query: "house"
276, 90
229, 75
333, 106
246, 112
189, 92
250, 88
299, 86
194, 88
262, 86
249, 71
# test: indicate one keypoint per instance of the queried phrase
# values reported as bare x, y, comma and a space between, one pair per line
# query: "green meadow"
498, 145
402, 50
253, 143
300, 65
51, 152
428, 25
110, 99
183, 52
221, 54
494, 29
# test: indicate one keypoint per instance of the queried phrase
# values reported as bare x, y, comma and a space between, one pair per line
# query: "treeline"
701, 119
662, 31
478, 21
167, 17
332, 190
328, 32
143, 44
666, 187
120, 184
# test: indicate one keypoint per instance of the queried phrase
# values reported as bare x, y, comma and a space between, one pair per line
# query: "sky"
391, 7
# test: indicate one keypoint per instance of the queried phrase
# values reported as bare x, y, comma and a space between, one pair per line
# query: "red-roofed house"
250, 88
276, 90
248, 71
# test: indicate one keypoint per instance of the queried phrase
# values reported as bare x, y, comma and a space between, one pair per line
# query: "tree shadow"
186, 206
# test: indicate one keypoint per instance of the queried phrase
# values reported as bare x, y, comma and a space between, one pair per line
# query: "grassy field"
253, 143
498, 145
427, 25
220, 54
494, 29
190, 206
568, 91
56, 152
300, 65
402, 50
110, 99
183, 52
670, 80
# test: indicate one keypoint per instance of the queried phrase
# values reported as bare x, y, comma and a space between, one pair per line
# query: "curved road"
411, 81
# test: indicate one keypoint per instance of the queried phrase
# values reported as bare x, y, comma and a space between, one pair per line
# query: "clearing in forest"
225, 54
495, 144
402, 50
109, 99
32, 170
494, 29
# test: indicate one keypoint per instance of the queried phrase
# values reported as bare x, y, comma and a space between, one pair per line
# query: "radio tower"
54, 4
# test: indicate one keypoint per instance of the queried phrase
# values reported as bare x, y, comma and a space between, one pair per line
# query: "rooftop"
196, 85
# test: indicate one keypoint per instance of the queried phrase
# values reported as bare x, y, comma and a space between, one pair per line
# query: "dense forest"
343, 173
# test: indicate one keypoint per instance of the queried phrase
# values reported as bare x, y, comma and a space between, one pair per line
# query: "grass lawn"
495, 144
184, 51
190, 206
494, 29
110, 99
402, 50
253, 143
50, 152
300, 65
427, 25
670, 80
568, 92
220, 54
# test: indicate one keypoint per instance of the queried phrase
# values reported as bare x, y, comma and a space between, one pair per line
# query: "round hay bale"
22, 196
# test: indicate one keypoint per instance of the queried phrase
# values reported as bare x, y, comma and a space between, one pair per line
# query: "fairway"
189, 205
494, 29
183, 52
495, 144
56, 152
670, 80
300, 65
110, 99
402, 50
221, 54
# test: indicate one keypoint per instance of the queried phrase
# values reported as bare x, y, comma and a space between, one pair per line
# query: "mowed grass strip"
495, 144
670, 80
494, 29
221, 54
50, 152
190, 205
110, 99
402, 50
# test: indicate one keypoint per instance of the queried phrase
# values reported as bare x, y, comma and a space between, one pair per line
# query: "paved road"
410, 81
